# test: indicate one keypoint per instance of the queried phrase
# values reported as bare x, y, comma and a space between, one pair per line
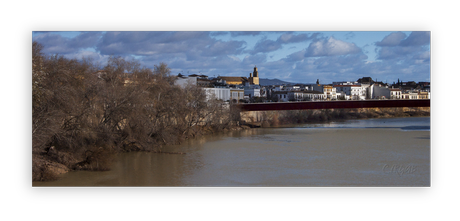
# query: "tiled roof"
234, 78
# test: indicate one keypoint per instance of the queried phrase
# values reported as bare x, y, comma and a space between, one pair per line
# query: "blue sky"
291, 56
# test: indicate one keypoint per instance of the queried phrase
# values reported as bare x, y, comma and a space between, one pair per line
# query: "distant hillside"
266, 82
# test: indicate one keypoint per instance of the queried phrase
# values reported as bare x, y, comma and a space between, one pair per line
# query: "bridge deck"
333, 104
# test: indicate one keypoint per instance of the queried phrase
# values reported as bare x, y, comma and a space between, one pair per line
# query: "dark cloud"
218, 33
391, 70
424, 56
85, 40
54, 44
392, 39
40, 32
184, 36
397, 52
296, 56
94, 56
149, 43
397, 47
291, 38
57, 44
331, 47
255, 59
417, 38
337, 63
224, 48
265, 45
325, 58
243, 33
349, 35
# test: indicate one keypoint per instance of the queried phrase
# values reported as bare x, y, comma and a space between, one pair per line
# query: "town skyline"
297, 57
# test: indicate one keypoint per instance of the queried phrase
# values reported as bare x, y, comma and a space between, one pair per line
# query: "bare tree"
84, 114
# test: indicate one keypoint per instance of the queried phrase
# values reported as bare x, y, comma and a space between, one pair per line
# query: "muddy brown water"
372, 152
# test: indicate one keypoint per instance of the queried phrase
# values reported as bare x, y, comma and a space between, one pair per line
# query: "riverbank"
279, 118
50, 164
341, 153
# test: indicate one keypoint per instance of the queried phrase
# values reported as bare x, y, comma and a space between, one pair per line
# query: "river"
371, 153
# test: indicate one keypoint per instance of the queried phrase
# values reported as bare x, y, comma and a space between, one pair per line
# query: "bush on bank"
279, 118
82, 116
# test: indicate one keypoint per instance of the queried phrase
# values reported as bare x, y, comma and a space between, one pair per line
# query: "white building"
314, 95
351, 92
345, 83
328, 90
218, 93
379, 92
282, 96
252, 91
395, 93
285, 96
295, 95
183, 81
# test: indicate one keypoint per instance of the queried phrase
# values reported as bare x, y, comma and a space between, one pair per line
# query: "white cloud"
331, 47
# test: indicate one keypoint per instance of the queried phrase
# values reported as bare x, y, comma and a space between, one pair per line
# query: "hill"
266, 82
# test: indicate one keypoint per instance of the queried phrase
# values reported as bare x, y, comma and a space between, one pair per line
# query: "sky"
299, 57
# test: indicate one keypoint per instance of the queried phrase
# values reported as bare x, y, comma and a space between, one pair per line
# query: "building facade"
217, 93
351, 92
236, 94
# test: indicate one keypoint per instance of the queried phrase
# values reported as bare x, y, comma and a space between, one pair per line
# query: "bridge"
333, 105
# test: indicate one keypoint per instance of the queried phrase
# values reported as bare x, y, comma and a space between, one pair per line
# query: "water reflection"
354, 153
408, 123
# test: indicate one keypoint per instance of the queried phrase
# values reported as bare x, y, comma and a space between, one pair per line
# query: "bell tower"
254, 78
256, 74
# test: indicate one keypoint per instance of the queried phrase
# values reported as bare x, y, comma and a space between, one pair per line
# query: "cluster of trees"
89, 114
325, 115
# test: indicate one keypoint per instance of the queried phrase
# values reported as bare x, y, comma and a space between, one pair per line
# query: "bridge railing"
333, 105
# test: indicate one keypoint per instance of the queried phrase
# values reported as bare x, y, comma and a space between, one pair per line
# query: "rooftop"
234, 78
347, 86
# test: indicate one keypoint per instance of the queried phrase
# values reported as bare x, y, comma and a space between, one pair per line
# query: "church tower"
254, 78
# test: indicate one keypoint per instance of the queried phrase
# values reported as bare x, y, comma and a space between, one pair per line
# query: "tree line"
83, 113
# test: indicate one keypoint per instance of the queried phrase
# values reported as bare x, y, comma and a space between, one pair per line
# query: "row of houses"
363, 89
237, 89
348, 92
242, 89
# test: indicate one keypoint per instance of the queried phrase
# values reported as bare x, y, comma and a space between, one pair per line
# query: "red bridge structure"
333, 105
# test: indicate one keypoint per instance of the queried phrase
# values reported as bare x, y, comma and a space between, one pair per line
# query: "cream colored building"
236, 94
253, 79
